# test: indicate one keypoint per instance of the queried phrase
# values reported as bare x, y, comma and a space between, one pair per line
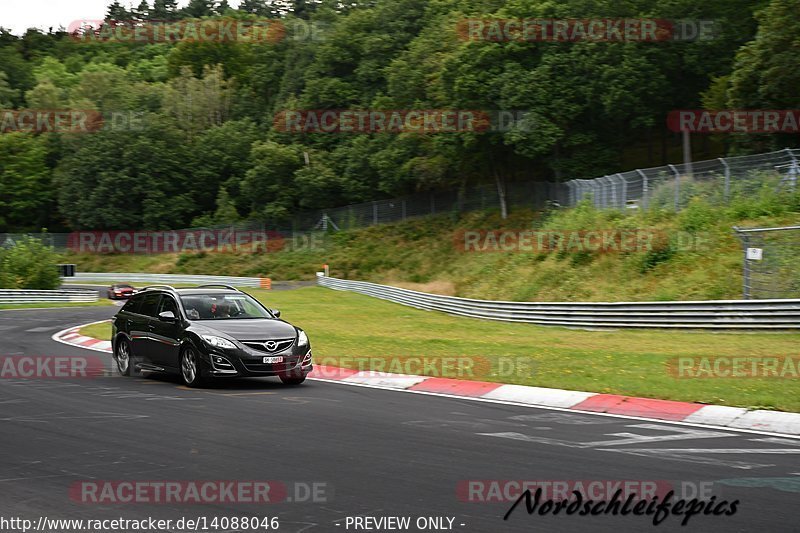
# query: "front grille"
279, 346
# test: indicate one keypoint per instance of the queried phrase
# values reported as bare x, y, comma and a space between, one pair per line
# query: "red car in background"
120, 291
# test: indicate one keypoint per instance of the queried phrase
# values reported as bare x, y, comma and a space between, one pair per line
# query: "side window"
133, 305
168, 304
150, 304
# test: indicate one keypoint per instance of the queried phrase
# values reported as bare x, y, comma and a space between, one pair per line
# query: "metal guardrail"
27, 296
120, 277
713, 314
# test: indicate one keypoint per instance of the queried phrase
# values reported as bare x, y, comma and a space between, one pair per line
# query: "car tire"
190, 367
124, 357
292, 380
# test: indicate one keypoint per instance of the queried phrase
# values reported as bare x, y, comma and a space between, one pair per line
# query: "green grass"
100, 302
101, 330
344, 325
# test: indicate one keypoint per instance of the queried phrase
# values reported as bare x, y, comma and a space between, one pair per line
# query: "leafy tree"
45, 96
226, 212
26, 192
19, 72
268, 183
7, 94
198, 103
116, 179
765, 74
29, 264
221, 162
103, 87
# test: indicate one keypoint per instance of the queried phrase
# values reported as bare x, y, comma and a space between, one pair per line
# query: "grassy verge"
101, 330
343, 326
41, 305
695, 254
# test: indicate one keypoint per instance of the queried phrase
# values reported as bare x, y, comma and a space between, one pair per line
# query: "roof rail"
170, 287
208, 285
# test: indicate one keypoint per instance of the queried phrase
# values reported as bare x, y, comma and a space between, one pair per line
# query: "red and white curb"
72, 337
669, 411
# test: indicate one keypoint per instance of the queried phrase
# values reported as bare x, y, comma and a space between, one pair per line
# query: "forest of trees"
204, 150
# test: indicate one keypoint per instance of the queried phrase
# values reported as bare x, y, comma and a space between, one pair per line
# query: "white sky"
19, 15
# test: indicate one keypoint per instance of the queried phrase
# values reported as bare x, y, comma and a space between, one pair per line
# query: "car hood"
250, 329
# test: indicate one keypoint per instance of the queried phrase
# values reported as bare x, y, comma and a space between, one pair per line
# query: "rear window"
150, 304
133, 305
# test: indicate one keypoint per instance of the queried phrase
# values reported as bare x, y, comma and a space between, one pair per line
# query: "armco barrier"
27, 296
118, 277
714, 314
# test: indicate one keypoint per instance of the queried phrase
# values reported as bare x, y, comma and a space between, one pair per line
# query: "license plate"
273, 359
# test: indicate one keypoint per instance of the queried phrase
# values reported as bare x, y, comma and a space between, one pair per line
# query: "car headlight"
219, 342
302, 338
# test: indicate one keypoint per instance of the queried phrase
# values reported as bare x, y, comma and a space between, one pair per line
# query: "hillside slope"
690, 255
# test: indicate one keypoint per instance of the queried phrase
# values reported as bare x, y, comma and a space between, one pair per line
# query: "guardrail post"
624, 202
374, 212
677, 187
727, 170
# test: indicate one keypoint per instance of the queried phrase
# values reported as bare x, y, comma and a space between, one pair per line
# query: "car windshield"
222, 307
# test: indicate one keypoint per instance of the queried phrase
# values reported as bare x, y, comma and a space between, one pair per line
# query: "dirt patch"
445, 288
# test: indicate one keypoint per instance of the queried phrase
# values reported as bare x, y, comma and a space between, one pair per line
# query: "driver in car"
221, 310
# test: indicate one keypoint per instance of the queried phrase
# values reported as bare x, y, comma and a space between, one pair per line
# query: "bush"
29, 265
697, 216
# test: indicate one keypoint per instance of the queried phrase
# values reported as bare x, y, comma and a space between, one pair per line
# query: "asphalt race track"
366, 452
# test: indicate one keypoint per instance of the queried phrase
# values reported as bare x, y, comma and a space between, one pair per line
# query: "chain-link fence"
672, 186
534, 195
771, 263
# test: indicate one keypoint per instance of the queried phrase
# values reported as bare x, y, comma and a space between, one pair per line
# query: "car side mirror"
166, 316
275, 312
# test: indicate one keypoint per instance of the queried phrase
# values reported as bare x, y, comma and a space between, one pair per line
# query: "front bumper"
242, 364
